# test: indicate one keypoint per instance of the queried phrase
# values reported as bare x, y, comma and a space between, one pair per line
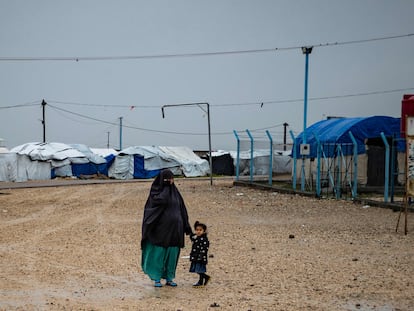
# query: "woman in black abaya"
163, 227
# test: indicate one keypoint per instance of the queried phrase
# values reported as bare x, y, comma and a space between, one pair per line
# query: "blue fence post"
339, 170
355, 182
387, 166
318, 166
238, 155
294, 160
251, 155
270, 158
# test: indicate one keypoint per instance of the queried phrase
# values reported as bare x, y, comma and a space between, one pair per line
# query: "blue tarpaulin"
89, 169
139, 171
336, 131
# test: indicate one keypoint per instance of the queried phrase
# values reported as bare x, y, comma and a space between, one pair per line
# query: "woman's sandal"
157, 283
171, 283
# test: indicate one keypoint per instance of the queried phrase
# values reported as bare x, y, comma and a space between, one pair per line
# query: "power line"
149, 130
286, 101
131, 107
260, 103
34, 103
201, 54
126, 126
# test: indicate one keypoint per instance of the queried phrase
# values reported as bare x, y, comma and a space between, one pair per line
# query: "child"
198, 255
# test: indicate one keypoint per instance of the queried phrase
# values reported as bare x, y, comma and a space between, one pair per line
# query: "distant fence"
259, 157
337, 170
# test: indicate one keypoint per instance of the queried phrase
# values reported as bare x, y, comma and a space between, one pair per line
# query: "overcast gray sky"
86, 98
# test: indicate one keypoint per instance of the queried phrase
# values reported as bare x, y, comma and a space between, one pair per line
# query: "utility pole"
44, 120
107, 145
306, 51
285, 125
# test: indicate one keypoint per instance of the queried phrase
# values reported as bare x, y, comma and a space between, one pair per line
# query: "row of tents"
42, 161
39, 161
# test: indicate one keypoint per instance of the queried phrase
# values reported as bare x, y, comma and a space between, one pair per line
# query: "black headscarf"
165, 216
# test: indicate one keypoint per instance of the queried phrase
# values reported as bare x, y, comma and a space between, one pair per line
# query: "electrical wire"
216, 53
286, 101
149, 130
30, 104
126, 126
261, 103
131, 107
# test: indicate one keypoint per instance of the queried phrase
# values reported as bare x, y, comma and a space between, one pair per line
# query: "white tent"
282, 162
89, 154
122, 167
104, 152
17, 168
154, 157
191, 164
4, 150
60, 156
181, 160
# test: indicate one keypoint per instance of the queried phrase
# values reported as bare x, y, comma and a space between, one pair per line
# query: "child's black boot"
200, 282
206, 279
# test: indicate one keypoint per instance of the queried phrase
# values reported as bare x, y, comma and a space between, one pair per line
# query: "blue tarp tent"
95, 163
140, 171
336, 131
89, 168
129, 166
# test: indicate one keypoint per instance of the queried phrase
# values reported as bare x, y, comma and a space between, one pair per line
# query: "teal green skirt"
159, 262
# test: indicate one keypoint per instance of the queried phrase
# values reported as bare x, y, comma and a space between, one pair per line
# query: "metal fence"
259, 157
337, 171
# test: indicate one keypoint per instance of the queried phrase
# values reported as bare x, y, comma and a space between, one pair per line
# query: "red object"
407, 109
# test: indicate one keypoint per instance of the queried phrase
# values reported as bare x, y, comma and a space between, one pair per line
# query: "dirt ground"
78, 248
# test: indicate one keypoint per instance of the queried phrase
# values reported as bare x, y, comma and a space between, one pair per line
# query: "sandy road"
77, 248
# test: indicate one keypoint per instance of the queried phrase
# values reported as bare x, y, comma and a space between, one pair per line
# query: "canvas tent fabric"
147, 161
90, 155
141, 162
191, 164
282, 162
108, 154
8, 167
104, 152
122, 167
62, 157
96, 164
154, 157
57, 154
260, 161
18, 168
181, 160
336, 131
